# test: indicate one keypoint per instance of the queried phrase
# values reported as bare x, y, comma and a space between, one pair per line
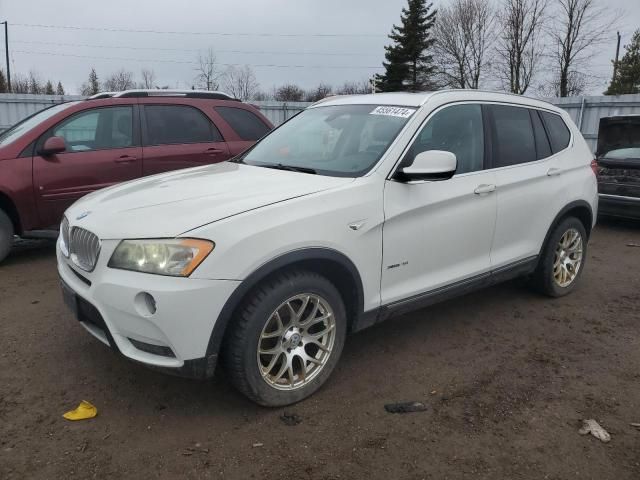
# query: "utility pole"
6, 50
615, 64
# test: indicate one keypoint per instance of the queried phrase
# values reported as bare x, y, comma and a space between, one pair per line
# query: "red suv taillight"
594, 167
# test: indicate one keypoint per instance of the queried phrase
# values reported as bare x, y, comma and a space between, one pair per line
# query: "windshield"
28, 123
623, 153
340, 140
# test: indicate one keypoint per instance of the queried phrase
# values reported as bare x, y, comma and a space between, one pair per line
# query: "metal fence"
585, 111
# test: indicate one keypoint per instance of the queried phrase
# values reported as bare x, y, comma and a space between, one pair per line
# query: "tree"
464, 33
409, 63
34, 83
519, 47
4, 88
354, 88
148, 79
48, 88
93, 84
19, 83
241, 82
321, 91
207, 76
576, 29
289, 93
627, 79
119, 81
59, 89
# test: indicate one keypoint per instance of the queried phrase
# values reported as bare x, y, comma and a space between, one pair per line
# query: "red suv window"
245, 123
175, 124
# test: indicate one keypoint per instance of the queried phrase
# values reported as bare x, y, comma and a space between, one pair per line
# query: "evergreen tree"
59, 89
627, 79
4, 88
409, 63
48, 88
93, 85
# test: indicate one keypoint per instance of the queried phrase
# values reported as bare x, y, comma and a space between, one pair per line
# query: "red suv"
51, 159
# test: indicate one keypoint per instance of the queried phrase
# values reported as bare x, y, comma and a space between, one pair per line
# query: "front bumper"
174, 338
619, 206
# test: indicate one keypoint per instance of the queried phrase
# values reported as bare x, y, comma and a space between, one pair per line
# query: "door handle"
213, 151
125, 159
552, 172
484, 189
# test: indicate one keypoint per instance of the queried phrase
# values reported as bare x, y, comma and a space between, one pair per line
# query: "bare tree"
321, 91
120, 80
289, 93
207, 74
576, 29
35, 85
464, 33
354, 88
148, 78
519, 47
19, 83
241, 82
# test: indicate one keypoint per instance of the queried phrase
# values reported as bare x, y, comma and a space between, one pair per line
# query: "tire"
6, 235
256, 326
553, 279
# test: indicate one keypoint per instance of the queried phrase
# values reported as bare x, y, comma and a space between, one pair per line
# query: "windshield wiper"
290, 168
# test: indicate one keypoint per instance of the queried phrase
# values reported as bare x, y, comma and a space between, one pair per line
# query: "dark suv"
54, 157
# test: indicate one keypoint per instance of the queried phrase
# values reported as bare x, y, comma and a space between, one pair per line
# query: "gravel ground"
507, 377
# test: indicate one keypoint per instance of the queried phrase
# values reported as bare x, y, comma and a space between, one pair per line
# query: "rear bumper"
619, 206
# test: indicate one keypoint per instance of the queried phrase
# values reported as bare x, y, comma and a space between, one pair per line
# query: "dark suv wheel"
563, 258
6, 235
286, 339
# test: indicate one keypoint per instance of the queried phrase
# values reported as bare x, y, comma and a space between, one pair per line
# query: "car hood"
171, 204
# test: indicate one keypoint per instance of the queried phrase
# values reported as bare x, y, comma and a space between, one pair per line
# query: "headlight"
64, 237
176, 257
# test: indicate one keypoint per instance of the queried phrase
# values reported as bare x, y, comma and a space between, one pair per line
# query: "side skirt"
425, 299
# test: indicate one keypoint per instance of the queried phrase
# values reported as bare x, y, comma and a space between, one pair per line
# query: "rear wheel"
287, 338
563, 259
6, 235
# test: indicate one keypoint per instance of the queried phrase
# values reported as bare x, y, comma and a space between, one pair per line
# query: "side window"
97, 129
513, 136
175, 124
245, 123
543, 149
457, 129
559, 134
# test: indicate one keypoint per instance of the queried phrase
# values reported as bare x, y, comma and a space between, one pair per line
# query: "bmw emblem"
83, 215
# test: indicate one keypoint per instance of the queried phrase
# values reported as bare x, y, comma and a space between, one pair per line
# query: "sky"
285, 41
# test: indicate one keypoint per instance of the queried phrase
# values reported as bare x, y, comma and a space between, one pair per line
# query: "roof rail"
213, 95
100, 95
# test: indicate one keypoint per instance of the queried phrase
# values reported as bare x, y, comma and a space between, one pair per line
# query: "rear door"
179, 136
103, 148
530, 187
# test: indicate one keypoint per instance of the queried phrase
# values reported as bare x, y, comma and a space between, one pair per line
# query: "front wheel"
286, 339
563, 259
6, 235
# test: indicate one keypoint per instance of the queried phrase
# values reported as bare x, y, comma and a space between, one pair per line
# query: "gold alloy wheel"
296, 342
568, 258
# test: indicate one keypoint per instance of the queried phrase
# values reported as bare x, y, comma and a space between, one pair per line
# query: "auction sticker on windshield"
401, 112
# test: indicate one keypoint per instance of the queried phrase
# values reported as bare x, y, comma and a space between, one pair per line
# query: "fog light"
145, 304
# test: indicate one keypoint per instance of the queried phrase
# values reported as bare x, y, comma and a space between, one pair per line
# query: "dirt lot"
507, 376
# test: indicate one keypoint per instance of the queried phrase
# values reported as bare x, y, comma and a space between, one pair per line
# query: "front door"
437, 233
102, 150
180, 136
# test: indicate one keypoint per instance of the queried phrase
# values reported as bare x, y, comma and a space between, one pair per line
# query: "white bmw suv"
358, 209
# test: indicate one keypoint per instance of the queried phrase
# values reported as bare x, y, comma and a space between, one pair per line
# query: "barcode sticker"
401, 112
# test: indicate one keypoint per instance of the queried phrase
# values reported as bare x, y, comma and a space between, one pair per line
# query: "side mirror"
52, 146
431, 165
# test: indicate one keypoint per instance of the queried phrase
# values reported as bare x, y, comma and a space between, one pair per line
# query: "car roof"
420, 98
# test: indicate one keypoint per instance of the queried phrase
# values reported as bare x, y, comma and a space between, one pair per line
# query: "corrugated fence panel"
585, 111
15, 106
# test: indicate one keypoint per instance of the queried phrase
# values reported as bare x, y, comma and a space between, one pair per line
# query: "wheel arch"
332, 264
8, 207
579, 209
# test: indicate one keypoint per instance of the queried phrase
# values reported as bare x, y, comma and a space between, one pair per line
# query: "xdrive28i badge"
83, 215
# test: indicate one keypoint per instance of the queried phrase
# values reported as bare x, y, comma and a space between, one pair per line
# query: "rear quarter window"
559, 133
245, 123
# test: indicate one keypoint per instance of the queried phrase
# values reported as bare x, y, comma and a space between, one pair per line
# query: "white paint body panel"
442, 229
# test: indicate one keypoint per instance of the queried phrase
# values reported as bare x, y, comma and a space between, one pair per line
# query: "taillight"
594, 167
